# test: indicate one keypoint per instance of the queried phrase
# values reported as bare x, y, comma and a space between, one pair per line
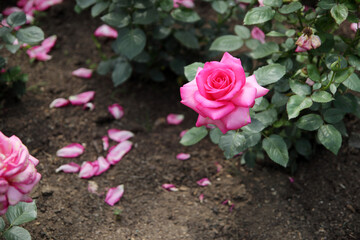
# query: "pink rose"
305, 43
185, 3
256, 33
18, 174
221, 94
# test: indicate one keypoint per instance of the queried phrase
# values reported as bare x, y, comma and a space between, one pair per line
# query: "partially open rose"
222, 95
18, 174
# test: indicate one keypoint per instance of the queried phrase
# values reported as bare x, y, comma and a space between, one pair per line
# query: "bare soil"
322, 203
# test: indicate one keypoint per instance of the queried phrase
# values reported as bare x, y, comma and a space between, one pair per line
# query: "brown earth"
322, 203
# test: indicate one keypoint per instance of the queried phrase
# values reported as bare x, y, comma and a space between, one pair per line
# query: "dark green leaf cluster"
16, 215
310, 91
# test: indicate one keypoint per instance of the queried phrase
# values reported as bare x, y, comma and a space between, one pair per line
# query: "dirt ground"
322, 203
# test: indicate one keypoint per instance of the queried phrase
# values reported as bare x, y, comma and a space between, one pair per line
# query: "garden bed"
321, 203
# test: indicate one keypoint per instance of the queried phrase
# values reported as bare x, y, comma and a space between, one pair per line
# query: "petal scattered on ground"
119, 135
183, 156
174, 119
114, 195
117, 152
116, 110
82, 98
59, 102
69, 168
105, 140
204, 182
82, 73
71, 151
169, 187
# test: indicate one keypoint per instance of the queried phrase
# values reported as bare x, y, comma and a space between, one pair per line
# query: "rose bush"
18, 174
221, 94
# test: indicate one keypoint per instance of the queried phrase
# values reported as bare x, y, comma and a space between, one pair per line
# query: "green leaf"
269, 74
261, 104
31, 35
252, 43
279, 99
166, 5
185, 15
105, 66
353, 82
227, 43
300, 88
264, 50
146, 16
161, 32
275, 34
254, 127
258, 15
310, 122
190, 70
313, 72
267, 117
290, 8
117, 19
321, 97
219, 6
341, 76
242, 32
232, 143
251, 139
21, 213
16, 19
121, 73
99, 8
333, 115
194, 135
353, 60
326, 4
85, 3
4, 31
330, 137
215, 135
273, 3
339, 13
187, 39
2, 224
296, 104
17, 233
303, 147
130, 42
332, 58
276, 149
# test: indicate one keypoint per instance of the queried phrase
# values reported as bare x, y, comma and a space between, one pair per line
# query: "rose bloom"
222, 95
18, 174
185, 3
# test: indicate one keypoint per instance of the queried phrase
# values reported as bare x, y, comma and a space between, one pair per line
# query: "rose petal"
71, 151
59, 102
103, 164
309, 82
201, 198
69, 168
116, 110
9, 10
231, 207
174, 119
169, 187
204, 182
82, 73
93, 187
89, 106
82, 98
291, 179
202, 121
49, 43
114, 195
218, 167
38, 53
237, 118
88, 169
251, 82
117, 152
256, 33
105, 141
119, 135
42, 5
226, 201
182, 133
106, 31
183, 156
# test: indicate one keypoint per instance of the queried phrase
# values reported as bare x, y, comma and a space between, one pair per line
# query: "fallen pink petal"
291, 179
82, 98
88, 169
106, 31
201, 198
225, 202
231, 207
59, 102
49, 43
117, 152
82, 73
204, 182
9, 10
39, 53
174, 119
42, 5
89, 106
183, 132
71, 151
114, 195
93, 187
116, 110
183, 156
119, 135
218, 167
105, 141
169, 187
103, 164
69, 168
